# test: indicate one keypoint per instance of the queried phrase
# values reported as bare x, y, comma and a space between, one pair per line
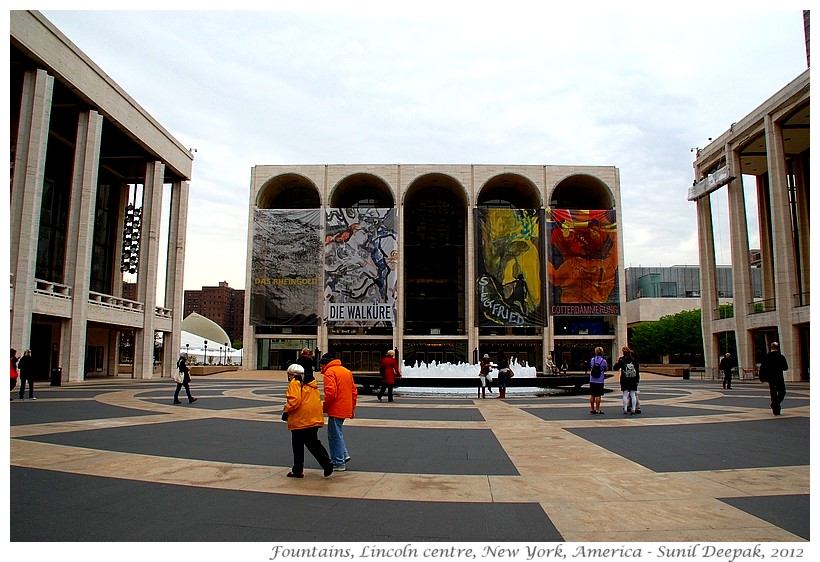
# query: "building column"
785, 272
147, 268
79, 240
764, 214
177, 227
741, 262
708, 278
26, 199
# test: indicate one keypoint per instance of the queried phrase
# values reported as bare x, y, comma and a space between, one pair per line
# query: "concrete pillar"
470, 282
398, 329
764, 214
146, 270
175, 266
741, 262
708, 278
79, 243
785, 272
248, 336
26, 199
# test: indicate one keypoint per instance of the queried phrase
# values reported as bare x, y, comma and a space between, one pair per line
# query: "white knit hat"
296, 369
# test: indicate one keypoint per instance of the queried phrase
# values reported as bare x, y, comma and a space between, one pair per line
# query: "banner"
361, 257
583, 263
509, 266
285, 267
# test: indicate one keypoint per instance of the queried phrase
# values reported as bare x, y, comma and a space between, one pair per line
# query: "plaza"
114, 460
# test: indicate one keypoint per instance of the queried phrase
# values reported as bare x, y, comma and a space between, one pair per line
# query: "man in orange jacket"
339, 404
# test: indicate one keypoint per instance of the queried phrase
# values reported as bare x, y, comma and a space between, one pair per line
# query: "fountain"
463, 370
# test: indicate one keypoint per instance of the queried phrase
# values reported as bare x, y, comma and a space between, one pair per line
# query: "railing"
163, 312
52, 289
765, 305
724, 311
110, 301
801, 299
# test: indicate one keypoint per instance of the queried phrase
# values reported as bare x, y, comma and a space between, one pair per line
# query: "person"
503, 367
339, 404
597, 370
306, 361
390, 372
630, 377
564, 367
726, 365
25, 368
14, 373
773, 366
182, 365
304, 408
484, 375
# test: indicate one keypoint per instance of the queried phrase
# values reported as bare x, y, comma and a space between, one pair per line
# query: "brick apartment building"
222, 304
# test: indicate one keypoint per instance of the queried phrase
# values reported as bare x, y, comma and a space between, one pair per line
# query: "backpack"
630, 371
596, 370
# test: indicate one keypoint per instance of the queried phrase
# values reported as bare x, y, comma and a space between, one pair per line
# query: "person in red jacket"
304, 408
339, 405
389, 370
14, 373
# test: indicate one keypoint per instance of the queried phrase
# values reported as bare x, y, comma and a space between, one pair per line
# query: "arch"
288, 191
582, 191
435, 224
362, 190
509, 190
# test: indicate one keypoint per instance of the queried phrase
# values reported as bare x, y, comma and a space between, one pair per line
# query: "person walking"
182, 366
630, 377
306, 361
772, 368
503, 367
25, 367
597, 372
339, 404
304, 415
15, 374
726, 365
389, 370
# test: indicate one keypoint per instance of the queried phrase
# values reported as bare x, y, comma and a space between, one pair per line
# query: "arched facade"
439, 262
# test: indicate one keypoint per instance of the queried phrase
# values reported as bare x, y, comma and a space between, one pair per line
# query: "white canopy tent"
200, 335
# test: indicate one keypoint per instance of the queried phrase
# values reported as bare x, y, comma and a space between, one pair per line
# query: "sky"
516, 83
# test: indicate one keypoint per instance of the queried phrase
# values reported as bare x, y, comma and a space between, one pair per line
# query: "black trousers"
727, 379
302, 439
186, 380
389, 388
23, 379
777, 392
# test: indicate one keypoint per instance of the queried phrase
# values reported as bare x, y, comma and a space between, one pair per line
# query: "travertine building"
771, 147
440, 262
89, 167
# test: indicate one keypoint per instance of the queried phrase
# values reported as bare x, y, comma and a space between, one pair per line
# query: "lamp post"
227, 346
186, 350
219, 361
205, 357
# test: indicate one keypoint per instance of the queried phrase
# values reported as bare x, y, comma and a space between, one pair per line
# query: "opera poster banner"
583, 262
360, 267
509, 267
286, 267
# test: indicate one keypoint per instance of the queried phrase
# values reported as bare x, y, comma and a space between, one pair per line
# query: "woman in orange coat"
304, 408
389, 371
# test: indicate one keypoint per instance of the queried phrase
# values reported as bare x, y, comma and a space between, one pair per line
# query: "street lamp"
227, 346
186, 350
205, 358
219, 361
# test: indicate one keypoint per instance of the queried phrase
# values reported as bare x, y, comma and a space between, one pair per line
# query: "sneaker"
338, 468
294, 475
329, 470
638, 411
32, 398
192, 400
177, 402
347, 459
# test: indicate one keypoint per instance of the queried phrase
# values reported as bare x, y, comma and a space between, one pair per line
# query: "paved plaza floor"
115, 460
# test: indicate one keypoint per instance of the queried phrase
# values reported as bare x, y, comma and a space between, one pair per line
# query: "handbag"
178, 377
510, 373
284, 415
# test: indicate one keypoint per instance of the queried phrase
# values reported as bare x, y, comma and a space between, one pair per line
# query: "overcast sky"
632, 88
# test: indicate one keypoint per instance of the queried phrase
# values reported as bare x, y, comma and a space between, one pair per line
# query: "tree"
677, 335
